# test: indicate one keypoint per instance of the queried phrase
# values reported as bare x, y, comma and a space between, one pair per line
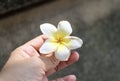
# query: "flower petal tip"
81, 42
65, 26
48, 29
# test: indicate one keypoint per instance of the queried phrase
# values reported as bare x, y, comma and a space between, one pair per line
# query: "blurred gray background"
97, 22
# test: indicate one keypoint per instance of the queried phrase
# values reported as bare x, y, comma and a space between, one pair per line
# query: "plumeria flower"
59, 40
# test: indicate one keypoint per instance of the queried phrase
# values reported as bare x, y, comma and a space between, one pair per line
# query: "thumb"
66, 78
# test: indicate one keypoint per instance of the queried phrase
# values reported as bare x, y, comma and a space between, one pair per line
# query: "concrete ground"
97, 22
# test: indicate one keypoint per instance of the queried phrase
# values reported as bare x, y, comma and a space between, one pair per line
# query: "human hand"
27, 64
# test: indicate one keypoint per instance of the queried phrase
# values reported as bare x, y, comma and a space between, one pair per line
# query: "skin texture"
27, 64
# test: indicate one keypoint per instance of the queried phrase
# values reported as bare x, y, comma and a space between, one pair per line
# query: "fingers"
48, 62
37, 42
73, 58
31, 48
51, 64
66, 78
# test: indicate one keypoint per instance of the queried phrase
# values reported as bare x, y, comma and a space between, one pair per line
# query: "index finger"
37, 42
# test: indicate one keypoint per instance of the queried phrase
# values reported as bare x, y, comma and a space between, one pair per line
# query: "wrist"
5, 77
2, 78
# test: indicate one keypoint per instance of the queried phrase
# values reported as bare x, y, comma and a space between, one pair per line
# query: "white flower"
59, 40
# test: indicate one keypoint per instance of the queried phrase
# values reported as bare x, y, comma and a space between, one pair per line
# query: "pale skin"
27, 64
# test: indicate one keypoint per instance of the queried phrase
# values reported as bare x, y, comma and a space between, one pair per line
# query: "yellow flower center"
59, 40
59, 37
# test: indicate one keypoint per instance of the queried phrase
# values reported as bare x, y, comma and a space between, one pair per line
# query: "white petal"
48, 47
48, 29
62, 53
74, 42
65, 27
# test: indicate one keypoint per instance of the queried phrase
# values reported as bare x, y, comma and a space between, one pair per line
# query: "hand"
27, 64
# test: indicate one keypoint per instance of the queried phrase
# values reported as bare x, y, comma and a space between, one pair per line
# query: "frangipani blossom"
59, 40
